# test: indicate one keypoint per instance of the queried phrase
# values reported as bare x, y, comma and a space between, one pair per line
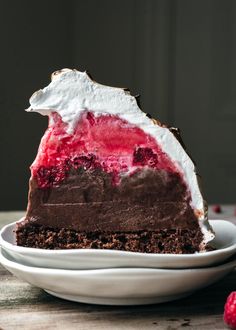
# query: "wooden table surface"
23, 306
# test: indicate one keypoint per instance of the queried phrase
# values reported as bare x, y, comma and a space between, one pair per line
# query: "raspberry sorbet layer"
102, 181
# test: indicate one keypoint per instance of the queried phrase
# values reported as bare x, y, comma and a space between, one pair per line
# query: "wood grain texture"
23, 306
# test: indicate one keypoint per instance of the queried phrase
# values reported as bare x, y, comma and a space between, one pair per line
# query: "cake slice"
107, 176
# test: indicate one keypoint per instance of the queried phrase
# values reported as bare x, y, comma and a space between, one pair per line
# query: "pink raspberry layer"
106, 142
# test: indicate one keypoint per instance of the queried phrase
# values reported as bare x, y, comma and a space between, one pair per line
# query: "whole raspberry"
230, 310
145, 156
217, 209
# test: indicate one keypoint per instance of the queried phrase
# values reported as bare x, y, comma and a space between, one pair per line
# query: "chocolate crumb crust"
176, 241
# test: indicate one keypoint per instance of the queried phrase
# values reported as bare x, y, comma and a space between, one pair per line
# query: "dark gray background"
179, 55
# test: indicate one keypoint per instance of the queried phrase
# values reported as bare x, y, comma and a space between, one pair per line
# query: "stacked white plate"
118, 277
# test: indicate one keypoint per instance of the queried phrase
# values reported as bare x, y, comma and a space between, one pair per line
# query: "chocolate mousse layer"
87, 207
88, 201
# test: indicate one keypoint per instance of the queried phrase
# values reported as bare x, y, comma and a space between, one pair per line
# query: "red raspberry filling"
106, 142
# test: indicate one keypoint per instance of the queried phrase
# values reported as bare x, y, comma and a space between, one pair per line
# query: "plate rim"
121, 270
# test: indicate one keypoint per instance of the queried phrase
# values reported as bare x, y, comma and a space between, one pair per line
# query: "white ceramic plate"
225, 242
119, 286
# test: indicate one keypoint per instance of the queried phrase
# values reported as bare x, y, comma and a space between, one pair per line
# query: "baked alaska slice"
106, 176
